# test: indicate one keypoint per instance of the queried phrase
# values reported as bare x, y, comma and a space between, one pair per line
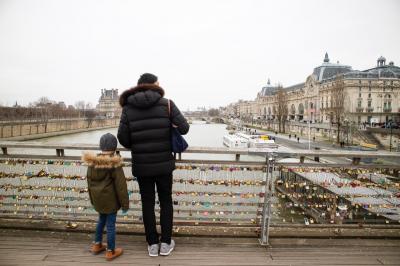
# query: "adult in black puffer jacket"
145, 129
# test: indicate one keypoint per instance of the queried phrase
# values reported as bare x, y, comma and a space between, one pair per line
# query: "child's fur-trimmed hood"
102, 160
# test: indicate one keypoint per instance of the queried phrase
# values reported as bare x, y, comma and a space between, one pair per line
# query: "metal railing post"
60, 152
266, 214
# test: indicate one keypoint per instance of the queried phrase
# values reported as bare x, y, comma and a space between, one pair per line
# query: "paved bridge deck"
25, 247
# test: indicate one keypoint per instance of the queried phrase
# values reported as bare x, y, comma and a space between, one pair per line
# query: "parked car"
390, 124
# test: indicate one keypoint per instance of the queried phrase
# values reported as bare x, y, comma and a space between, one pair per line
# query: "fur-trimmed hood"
142, 96
102, 160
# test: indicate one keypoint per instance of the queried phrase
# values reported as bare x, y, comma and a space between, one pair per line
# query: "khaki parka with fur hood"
106, 182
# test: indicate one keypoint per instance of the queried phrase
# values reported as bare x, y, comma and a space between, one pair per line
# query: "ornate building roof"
268, 90
328, 70
295, 87
380, 71
109, 95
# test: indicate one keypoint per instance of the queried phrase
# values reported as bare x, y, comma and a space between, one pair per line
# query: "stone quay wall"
28, 130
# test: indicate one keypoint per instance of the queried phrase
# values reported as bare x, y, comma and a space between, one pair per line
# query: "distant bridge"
210, 119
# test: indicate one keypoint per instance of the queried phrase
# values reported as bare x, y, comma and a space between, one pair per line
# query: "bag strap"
169, 108
169, 113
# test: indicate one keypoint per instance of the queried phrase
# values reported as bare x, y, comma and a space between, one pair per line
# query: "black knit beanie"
147, 78
108, 142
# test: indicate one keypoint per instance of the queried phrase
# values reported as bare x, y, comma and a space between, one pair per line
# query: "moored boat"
258, 141
233, 141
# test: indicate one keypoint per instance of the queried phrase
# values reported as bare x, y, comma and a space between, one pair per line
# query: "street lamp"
346, 121
351, 134
391, 133
309, 134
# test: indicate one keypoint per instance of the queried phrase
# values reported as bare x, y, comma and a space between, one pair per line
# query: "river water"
205, 135
200, 135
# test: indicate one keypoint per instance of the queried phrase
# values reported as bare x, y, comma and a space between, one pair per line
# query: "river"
205, 135
200, 135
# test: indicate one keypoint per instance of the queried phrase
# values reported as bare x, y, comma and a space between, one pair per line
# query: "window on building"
369, 88
359, 104
369, 95
359, 89
369, 103
359, 95
359, 81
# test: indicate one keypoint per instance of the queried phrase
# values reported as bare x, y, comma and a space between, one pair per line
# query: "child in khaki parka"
108, 192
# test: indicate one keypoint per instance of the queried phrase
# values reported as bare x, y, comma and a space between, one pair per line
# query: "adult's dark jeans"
164, 190
109, 221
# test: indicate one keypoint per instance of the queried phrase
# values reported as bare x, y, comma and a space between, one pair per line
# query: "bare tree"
90, 116
337, 103
80, 106
43, 101
213, 112
41, 111
282, 108
88, 106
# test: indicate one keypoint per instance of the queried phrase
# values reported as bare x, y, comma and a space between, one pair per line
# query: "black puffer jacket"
145, 129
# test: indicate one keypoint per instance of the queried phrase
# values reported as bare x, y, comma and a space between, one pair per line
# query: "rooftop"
328, 70
111, 94
268, 89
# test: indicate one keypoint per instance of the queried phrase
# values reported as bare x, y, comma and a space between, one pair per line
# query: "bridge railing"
248, 188
45, 182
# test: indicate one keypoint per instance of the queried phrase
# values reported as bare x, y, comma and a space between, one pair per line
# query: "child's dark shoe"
97, 248
112, 254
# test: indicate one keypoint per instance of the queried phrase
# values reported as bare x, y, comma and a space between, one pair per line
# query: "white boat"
198, 122
258, 141
233, 141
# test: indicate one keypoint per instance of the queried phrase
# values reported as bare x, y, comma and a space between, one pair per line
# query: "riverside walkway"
227, 211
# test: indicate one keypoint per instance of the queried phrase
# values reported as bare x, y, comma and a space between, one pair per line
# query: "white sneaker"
153, 250
167, 249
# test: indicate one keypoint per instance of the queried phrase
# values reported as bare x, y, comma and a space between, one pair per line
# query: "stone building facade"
371, 96
109, 104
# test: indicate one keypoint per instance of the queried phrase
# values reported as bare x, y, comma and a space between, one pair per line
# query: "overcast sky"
205, 52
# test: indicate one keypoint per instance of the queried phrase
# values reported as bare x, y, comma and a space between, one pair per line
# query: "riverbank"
55, 134
380, 138
37, 130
